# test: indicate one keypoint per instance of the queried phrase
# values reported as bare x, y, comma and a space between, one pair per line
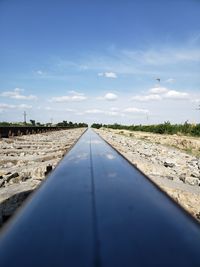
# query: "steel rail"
96, 209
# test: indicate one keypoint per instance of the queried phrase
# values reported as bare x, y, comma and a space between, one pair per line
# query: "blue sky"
99, 60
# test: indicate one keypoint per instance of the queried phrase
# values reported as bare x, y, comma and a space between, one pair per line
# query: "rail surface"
96, 209
9, 131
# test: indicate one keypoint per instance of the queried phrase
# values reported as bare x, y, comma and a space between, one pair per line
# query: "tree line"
64, 123
163, 128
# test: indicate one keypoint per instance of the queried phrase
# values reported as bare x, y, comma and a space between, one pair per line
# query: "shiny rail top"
96, 209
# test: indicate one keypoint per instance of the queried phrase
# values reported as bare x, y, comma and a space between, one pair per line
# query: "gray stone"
182, 177
195, 174
192, 181
170, 178
2, 182
11, 176
9, 164
168, 164
198, 164
25, 177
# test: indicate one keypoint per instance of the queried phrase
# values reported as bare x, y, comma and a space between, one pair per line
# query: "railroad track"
10, 131
96, 209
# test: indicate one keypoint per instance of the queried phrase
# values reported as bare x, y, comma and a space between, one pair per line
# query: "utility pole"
25, 117
51, 119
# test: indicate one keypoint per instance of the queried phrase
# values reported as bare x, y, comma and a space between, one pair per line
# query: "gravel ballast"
25, 162
172, 169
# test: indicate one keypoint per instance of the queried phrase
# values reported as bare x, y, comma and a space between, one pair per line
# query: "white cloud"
50, 108
104, 112
197, 100
4, 106
114, 109
136, 110
70, 110
74, 97
94, 111
158, 90
16, 94
160, 93
111, 75
83, 67
66, 64
172, 94
108, 97
72, 92
163, 60
66, 98
24, 106
163, 56
170, 80
113, 113
144, 98
39, 72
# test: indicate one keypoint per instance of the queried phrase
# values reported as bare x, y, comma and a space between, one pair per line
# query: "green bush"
163, 128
